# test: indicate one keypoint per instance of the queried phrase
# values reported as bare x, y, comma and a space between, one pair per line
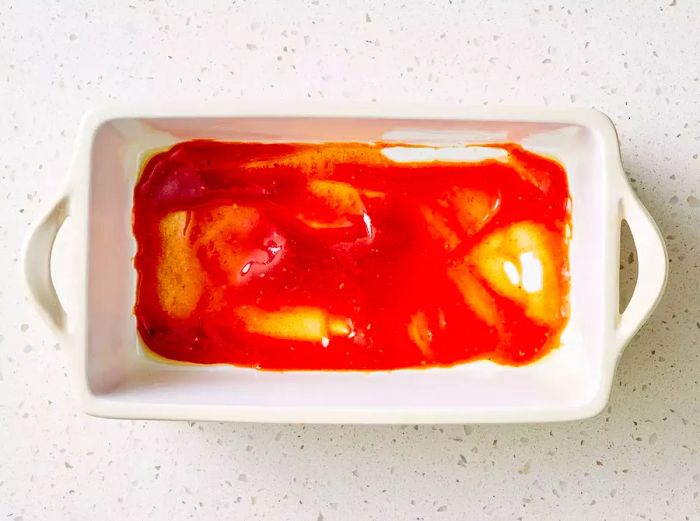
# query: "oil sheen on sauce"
335, 257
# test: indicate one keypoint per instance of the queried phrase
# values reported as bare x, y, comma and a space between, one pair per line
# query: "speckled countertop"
637, 61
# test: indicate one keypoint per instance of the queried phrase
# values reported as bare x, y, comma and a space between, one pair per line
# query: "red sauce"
332, 256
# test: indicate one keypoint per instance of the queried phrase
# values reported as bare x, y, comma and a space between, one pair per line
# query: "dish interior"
342, 256
119, 368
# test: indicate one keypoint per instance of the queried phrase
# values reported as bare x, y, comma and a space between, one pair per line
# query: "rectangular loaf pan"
115, 378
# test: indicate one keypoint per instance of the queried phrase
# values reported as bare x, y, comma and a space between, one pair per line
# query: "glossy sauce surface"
333, 256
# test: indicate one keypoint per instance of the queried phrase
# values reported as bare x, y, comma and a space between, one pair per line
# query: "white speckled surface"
637, 61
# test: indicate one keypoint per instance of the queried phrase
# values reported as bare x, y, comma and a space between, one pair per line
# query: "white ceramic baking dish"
115, 378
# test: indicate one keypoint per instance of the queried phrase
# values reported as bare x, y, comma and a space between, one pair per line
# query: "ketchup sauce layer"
336, 257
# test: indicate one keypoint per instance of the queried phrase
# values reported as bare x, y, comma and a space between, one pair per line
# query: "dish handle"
37, 265
652, 267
